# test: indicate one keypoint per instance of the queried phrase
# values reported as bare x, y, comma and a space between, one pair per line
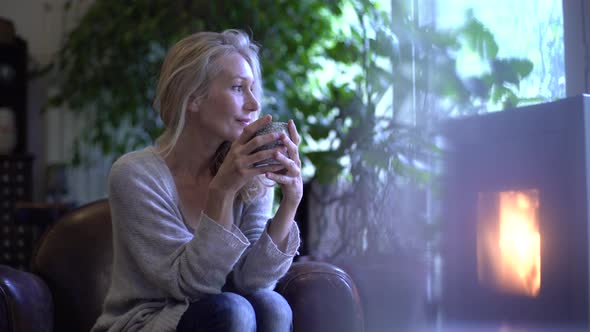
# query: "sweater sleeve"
152, 238
263, 263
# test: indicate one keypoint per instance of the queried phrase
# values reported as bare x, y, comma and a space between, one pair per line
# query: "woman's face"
230, 104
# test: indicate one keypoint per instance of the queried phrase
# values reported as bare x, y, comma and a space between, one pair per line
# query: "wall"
43, 24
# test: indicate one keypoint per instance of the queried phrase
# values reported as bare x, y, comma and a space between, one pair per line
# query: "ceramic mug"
271, 128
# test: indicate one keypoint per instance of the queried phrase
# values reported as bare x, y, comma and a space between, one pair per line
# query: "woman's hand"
289, 178
237, 168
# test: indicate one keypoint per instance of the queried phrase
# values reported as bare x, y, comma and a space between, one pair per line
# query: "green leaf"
511, 70
318, 131
479, 39
328, 169
345, 51
498, 93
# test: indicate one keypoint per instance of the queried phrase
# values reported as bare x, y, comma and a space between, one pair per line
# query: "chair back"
75, 258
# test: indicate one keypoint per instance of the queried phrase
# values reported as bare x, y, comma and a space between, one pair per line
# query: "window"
527, 29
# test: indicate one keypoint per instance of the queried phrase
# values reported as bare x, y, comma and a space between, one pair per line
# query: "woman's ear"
193, 104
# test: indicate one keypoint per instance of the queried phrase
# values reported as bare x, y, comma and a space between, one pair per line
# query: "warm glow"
509, 242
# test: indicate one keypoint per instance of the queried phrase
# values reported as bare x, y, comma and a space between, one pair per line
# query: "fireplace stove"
515, 231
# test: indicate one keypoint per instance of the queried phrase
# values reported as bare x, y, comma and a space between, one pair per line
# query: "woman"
194, 246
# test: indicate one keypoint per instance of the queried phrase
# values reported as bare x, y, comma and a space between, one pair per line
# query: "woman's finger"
273, 168
293, 132
279, 178
253, 171
252, 128
259, 156
291, 166
292, 149
261, 140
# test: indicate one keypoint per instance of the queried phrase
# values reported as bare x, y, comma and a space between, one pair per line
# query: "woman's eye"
237, 88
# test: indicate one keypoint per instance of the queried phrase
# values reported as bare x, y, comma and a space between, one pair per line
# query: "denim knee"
273, 312
228, 312
237, 312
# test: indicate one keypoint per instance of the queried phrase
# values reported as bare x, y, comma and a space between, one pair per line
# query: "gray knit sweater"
161, 264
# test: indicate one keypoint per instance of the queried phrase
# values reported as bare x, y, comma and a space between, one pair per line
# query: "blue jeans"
262, 311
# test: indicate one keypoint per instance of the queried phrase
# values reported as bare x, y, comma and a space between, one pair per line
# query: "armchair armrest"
25, 302
322, 297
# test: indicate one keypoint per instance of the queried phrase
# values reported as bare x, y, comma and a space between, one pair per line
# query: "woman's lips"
244, 122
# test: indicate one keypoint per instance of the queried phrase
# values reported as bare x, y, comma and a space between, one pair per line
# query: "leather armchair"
70, 277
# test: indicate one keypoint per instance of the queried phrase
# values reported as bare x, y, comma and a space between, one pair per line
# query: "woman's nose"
252, 104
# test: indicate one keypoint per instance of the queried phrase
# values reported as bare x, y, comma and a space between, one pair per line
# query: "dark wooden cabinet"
15, 186
13, 87
16, 167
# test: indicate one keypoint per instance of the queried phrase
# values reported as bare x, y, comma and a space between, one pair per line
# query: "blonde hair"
187, 71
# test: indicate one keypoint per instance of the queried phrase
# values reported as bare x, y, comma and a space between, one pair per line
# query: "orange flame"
509, 242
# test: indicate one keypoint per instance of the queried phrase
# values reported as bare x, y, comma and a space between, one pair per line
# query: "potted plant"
381, 121
368, 195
